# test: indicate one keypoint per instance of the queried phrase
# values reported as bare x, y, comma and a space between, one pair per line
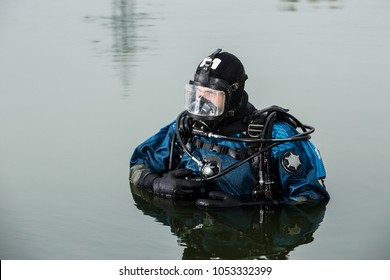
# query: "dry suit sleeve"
299, 166
153, 154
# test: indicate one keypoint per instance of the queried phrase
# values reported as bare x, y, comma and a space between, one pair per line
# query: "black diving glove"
219, 199
172, 184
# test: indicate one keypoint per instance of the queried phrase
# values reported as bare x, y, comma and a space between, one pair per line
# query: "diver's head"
217, 89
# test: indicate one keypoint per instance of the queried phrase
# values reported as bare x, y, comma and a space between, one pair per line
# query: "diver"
224, 152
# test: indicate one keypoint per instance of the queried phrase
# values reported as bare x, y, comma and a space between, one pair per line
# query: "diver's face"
216, 97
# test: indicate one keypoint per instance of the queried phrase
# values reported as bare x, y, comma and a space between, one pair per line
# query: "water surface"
82, 83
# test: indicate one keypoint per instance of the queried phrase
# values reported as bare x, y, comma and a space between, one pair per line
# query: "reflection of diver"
247, 232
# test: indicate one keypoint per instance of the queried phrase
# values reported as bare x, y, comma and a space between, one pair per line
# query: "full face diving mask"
204, 102
206, 97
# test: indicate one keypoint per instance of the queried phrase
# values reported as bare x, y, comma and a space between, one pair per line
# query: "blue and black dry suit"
287, 171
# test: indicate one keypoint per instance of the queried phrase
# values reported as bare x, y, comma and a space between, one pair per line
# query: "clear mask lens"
204, 101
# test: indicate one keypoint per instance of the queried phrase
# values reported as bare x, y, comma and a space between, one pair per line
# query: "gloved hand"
218, 199
175, 183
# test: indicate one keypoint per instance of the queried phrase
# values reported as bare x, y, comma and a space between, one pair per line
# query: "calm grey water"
83, 82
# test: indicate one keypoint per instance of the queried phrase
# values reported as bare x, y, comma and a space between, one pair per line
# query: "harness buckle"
255, 129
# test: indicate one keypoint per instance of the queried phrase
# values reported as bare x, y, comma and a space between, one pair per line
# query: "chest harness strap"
237, 154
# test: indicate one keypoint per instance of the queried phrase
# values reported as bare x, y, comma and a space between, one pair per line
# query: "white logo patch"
291, 162
214, 64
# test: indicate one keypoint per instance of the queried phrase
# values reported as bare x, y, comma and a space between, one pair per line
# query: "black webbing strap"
221, 149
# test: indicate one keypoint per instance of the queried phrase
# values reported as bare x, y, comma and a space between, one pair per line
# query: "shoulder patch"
291, 162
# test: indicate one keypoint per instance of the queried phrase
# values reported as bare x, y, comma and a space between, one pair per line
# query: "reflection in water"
125, 23
124, 48
256, 232
295, 5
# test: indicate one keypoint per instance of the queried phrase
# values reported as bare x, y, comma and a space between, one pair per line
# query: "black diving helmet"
216, 89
